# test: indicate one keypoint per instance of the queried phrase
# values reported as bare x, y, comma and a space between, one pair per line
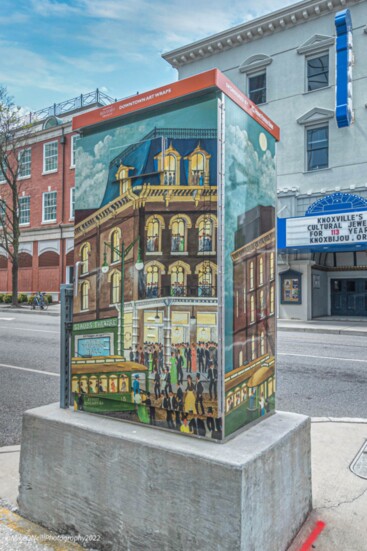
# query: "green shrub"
30, 299
1, 298
8, 299
22, 298
48, 299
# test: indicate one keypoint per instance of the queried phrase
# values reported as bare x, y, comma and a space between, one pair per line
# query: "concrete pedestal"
138, 489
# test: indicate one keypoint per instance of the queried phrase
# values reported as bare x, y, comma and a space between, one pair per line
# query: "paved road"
319, 375
322, 375
30, 342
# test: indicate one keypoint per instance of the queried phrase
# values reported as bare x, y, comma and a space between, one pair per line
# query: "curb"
352, 420
5, 310
356, 332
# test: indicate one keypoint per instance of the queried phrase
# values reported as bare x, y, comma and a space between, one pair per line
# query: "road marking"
24, 329
322, 357
319, 526
30, 369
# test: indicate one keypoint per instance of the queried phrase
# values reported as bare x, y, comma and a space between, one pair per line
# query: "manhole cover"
359, 465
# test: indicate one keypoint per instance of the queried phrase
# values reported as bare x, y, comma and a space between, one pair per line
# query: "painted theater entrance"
349, 297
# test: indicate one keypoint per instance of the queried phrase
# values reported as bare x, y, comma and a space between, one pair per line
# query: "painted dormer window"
169, 166
179, 225
198, 167
122, 176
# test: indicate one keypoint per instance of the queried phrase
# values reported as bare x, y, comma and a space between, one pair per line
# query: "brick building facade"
46, 185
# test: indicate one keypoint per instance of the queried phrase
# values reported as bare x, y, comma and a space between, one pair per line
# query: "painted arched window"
262, 343
272, 265
115, 246
178, 281
178, 235
154, 229
252, 309
206, 283
85, 295
240, 358
261, 270
272, 299
252, 275
206, 235
115, 288
253, 348
170, 170
152, 281
262, 304
84, 253
197, 173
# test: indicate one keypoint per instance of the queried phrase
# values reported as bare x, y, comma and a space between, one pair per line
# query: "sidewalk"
325, 325
7, 309
339, 496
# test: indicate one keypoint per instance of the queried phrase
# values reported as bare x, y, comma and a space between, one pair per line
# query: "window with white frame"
49, 206
2, 212
257, 88
50, 156
24, 163
72, 203
24, 210
4, 166
74, 140
317, 147
317, 72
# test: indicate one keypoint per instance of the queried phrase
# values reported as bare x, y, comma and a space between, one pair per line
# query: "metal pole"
66, 298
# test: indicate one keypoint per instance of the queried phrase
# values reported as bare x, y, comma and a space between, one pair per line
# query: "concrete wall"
138, 489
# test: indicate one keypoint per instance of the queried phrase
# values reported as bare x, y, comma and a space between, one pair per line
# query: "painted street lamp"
139, 265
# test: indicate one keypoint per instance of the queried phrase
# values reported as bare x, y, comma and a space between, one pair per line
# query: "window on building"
152, 281
252, 275
206, 234
50, 156
261, 270
115, 246
317, 72
24, 210
74, 140
197, 175
154, 229
49, 206
85, 296
257, 88
272, 265
244, 301
84, 254
2, 212
178, 235
72, 203
252, 309
253, 347
178, 281
317, 148
272, 299
206, 283
262, 304
170, 164
262, 343
24, 163
115, 288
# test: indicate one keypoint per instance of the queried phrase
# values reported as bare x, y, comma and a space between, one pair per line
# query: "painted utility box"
174, 312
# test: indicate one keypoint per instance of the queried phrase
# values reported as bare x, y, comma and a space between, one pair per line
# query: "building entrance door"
349, 297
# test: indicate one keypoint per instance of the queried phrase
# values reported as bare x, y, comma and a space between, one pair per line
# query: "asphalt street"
318, 375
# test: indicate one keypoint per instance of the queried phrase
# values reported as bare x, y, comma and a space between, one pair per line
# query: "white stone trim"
255, 63
315, 116
317, 43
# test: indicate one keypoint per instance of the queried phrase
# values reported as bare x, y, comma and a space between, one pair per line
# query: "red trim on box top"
203, 81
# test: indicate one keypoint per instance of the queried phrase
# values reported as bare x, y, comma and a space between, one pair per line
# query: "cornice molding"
255, 63
277, 21
316, 115
316, 43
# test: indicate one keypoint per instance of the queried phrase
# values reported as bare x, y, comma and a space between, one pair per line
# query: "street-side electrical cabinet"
175, 259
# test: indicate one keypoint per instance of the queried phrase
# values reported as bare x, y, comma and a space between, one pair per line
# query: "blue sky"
53, 50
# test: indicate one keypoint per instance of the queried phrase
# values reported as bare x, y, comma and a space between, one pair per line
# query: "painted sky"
53, 50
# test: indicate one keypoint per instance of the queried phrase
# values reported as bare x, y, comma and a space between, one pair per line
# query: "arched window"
262, 304
152, 281
170, 164
178, 281
84, 254
272, 265
253, 347
84, 295
240, 358
153, 228
206, 235
197, 174
206, 284
115, 246
115, 288
252, 309
262, 343
178, 236
252, 275
261, 270
272, 299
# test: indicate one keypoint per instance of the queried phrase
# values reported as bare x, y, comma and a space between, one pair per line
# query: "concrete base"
138, 489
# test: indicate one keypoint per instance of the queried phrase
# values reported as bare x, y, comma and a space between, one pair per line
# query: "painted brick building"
46, 189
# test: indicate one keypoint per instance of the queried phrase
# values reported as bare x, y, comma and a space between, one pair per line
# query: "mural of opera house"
164, 190
250, 387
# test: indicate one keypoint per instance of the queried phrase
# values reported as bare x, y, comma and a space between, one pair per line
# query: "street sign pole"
66, 298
